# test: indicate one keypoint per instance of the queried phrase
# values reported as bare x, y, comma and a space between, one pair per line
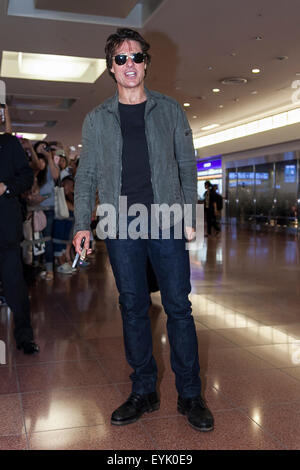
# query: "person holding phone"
15, 178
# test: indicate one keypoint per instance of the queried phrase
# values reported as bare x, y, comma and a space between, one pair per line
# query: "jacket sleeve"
185, 156
22, 180
85, 179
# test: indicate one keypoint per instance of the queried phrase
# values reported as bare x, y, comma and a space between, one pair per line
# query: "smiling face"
130, 75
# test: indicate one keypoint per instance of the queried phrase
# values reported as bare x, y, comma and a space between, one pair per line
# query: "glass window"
286, 192
231, 193
245, 194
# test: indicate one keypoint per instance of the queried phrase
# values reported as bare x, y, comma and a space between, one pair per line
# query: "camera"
47, 148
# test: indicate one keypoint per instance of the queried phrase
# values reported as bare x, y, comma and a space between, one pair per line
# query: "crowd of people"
48, 240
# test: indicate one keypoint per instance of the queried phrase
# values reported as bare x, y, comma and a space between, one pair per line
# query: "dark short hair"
38, 143
68, 178
116, 39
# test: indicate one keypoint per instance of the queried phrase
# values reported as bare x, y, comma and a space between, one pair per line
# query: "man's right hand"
77, 240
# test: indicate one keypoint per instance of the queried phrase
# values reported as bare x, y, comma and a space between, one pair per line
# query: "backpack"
219, 201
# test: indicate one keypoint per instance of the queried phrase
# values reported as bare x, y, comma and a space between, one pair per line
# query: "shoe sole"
197, 428
133, 420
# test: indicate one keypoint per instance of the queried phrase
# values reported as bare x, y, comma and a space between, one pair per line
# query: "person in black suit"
15, 177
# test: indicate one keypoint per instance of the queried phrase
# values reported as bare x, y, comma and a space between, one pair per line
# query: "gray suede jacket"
171, 154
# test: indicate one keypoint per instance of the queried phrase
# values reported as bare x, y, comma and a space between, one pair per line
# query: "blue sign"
205, 165
290, 174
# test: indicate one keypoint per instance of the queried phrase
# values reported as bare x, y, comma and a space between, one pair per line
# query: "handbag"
60, 204
39, 221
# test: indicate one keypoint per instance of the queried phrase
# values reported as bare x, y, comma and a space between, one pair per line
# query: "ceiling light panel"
29, 136
210, 126
51, 67
261, 125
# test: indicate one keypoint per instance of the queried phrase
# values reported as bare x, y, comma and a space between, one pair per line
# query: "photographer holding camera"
33, 160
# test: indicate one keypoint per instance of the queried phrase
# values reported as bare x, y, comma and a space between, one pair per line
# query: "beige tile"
279, 355
233, 431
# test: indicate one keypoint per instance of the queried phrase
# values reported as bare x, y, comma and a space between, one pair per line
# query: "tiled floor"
246, 297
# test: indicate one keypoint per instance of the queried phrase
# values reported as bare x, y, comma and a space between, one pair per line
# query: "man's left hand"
190, 233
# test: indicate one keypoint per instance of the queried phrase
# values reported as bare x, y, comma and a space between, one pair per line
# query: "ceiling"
194, 45
117, 8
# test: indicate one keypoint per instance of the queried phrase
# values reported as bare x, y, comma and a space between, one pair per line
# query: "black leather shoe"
29, 347
198, 414
134, 407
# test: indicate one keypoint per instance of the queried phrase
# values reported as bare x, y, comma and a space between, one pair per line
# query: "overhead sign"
204, 165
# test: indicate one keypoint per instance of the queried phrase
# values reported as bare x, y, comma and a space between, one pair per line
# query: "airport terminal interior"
235, 69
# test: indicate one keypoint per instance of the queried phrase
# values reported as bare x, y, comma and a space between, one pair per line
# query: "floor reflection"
245, 295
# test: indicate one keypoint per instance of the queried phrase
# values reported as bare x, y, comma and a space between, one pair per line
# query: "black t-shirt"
136, 173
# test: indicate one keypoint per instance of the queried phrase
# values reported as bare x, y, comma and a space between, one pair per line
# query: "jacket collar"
112, 103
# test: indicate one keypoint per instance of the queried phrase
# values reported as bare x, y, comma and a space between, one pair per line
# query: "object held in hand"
77, 254
83, 255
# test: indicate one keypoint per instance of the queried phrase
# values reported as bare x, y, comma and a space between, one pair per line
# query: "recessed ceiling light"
254, 92
234, 81
258, 38
211, 126
216, 90
255, 70
51, 67
186, 105
282, 57
79, 145
194, 117
221, 106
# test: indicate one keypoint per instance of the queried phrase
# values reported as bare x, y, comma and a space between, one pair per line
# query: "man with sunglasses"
139, 144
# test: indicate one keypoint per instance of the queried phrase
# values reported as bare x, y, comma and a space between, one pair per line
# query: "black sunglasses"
137, 57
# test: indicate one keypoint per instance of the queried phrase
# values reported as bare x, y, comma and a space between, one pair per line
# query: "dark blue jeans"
170, 261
